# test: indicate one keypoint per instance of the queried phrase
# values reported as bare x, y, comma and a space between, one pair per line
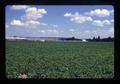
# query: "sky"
79, 21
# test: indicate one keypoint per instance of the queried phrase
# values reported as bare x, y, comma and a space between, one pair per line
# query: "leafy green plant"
60, 59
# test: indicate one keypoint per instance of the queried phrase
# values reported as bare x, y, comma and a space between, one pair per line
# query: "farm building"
84, 40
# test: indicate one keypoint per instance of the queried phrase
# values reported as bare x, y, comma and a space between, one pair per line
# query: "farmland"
60, 59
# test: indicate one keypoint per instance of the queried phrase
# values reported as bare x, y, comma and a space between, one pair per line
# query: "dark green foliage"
60, 59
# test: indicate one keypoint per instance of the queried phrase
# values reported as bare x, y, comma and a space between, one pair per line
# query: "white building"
84, 40
42, 40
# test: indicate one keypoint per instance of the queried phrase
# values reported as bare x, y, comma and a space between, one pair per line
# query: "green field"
60, 59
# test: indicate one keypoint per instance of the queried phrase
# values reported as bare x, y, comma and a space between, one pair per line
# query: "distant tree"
94, 39
112, 39
98, 37
89, 39
73, 38
109, 39
14, 36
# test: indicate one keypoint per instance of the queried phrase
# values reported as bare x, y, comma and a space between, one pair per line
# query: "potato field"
66, 60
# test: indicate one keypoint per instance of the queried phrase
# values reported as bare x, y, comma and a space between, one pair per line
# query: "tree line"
94, 39
108, 39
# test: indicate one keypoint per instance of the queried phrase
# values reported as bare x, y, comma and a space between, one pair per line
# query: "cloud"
71, 30
32, 22
19, 7
111, 30
33, 13
68, 15
27, 24
99, 12
41, 31
98, 23
35, 23
112, 20
53, 31
88, 32
53, 25
35, 10
6, 26
16, 23
107, 22
95, 33
30, 18
77, 18
111, 11
101, 23
62, 31
43, 24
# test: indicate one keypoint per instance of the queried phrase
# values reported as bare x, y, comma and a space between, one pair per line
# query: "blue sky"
85, 21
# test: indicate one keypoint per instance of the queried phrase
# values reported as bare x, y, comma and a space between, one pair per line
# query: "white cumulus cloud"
71, 30
77, 18
112, 20
26, 24
106, 22
101, 23
19, 7
67, 14
6, 26
42, 31
16, 23
32, 22
33, 13
31, 17
99, 12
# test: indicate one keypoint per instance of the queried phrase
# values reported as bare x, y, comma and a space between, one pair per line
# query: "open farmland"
59, 59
